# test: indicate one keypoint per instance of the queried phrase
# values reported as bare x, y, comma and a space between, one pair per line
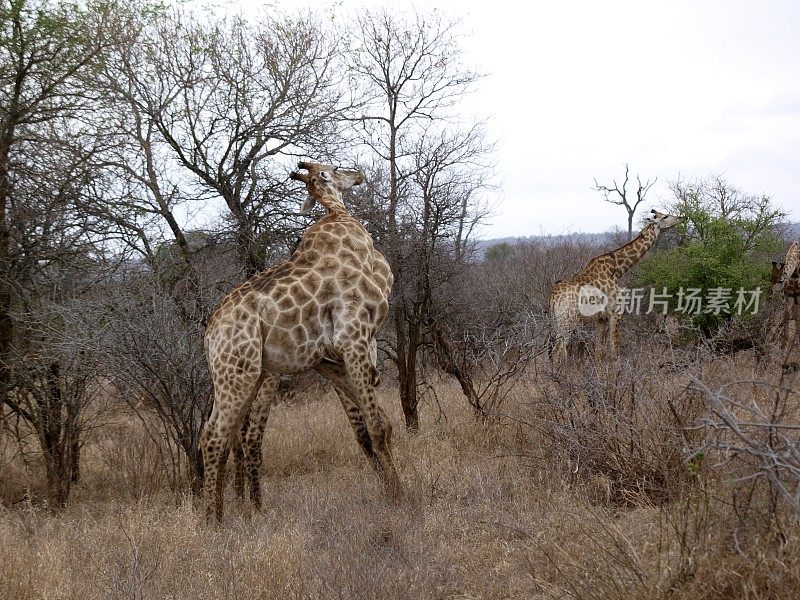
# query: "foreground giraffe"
597, 287
318, 310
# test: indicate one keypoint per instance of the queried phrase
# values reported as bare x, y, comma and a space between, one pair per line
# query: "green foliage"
726, 242
499, 252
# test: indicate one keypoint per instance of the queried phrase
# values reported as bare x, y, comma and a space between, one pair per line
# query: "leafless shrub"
761, 431
58, 397
517, 277
489, 361
137, 460
159, 368
621, 427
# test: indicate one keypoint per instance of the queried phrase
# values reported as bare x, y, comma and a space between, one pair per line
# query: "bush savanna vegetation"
144, 161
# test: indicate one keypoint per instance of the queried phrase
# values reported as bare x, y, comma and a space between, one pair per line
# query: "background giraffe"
789, 264
318, 310
600, 281
789, 288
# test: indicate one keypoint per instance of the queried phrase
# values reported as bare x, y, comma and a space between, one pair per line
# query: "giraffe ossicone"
319, 310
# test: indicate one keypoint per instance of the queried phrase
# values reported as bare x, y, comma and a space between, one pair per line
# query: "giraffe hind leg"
562, 331
214, 443
252, 436
238, 459
231, 403
359, 371
338, 376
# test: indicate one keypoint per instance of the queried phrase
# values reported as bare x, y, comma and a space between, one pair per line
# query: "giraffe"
789, 264
592, 294
319, 310
789, 287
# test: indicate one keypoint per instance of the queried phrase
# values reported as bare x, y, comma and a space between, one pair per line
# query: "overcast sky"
575, 89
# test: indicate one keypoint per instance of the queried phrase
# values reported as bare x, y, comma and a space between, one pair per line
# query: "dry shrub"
18, 484
681, 550
703, 515
21, 466
487, 513
134, 464
618, 426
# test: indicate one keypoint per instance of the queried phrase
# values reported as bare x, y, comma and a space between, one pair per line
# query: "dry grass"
491, 511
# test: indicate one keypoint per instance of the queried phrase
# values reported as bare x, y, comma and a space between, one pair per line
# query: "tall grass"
582, 488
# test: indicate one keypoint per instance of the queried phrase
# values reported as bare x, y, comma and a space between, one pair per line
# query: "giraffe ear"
308, 205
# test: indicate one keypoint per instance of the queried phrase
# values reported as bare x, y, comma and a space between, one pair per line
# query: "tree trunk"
406, 370
56, 437
75, 459
630, 225
196, 472
6, 297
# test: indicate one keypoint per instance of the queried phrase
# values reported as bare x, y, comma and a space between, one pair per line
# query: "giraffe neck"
333, 204
628, 255
792, 261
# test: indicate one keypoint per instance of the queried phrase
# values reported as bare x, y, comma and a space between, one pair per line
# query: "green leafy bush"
726, 243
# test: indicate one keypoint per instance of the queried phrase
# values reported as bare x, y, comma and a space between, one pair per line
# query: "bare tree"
158, 365
47, 50
208, 108
622, 196
488, 360
410, 76
58, 390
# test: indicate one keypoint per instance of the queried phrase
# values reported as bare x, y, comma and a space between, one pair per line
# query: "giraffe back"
335, 283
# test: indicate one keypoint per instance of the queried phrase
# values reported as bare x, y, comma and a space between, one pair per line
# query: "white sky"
575, 89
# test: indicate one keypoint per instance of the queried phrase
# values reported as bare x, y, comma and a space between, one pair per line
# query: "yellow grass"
489, 512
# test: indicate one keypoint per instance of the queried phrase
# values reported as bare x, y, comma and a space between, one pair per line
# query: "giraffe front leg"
601, 338
613, 334
559, 351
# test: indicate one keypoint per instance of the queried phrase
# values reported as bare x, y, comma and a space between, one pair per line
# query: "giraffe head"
662, 221
325, 181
